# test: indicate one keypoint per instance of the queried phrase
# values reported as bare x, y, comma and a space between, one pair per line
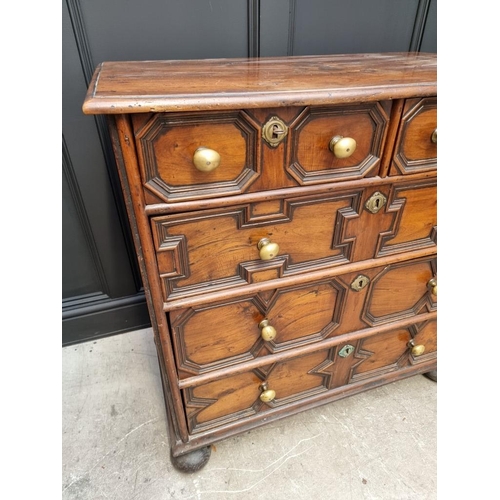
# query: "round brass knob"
267, 249
206, 160
267, 395
434, 136
268, 332
342, 147
416, 350
433, 286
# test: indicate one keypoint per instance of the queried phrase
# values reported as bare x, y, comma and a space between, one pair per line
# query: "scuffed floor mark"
79, 478
275, 465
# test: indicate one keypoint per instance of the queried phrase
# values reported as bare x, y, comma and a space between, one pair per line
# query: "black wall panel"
101, 288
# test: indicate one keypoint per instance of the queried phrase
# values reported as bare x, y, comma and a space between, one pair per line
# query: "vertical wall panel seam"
82, 215
88, 67
291, 27
419, 25
253, 27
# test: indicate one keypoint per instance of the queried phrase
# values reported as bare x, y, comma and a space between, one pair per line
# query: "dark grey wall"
102, 290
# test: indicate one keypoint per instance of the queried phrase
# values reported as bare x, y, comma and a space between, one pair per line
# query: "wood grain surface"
144, 86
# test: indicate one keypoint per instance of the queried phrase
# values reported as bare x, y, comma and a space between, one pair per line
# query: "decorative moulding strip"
301, 351
296, 279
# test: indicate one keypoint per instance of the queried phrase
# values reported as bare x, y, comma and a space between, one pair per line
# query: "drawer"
191, 156
302, 378
224, 145
226, 333
329, 144
217, 249
415, 148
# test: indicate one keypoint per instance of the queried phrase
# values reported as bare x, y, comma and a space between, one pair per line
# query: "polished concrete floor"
379, 445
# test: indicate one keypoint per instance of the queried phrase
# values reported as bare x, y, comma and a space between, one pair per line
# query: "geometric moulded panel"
167, 142
310, 159
214, 336
400, 291
416, 145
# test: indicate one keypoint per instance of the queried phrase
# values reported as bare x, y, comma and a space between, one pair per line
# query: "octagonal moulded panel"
227, 399
400, 291
416, 144
166, 145
226, 333
310, 160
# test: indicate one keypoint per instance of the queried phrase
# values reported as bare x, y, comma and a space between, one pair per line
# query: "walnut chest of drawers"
285, 223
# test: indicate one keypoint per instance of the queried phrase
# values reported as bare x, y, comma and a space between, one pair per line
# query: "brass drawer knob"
267, 331
266, 395
342, 147
267, 249
206, 160
433, 286
434, 136
416, 350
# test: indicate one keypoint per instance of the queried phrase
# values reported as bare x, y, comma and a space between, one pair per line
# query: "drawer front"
191, 156
218, 335
416, 144
214, 336
216, 249
168, 142
390, 293
337, 143
236, 397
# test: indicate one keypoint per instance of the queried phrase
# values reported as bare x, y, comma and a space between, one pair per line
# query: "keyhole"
360, 282
377, 202
277, 131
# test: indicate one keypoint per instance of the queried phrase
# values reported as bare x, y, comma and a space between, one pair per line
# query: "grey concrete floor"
379, 445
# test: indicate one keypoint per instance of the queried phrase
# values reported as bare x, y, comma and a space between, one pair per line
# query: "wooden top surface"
208, 84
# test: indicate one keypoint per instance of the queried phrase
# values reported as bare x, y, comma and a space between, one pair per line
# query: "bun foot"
192, 461
433, 375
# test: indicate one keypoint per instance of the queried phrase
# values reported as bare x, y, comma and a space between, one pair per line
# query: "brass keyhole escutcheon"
347, 350
360, 282
376, 201
274, 131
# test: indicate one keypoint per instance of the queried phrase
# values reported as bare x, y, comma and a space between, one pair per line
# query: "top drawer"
191, 156
416, 144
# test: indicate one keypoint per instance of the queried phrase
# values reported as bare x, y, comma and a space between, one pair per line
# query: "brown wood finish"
301, 315
311, 161
144, 248
235, 397
414, 149
330, 342
158, 86
214, 249
158, 208
351, 291
167, 142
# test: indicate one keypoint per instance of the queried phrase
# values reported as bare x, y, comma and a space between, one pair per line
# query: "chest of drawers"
285, 222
